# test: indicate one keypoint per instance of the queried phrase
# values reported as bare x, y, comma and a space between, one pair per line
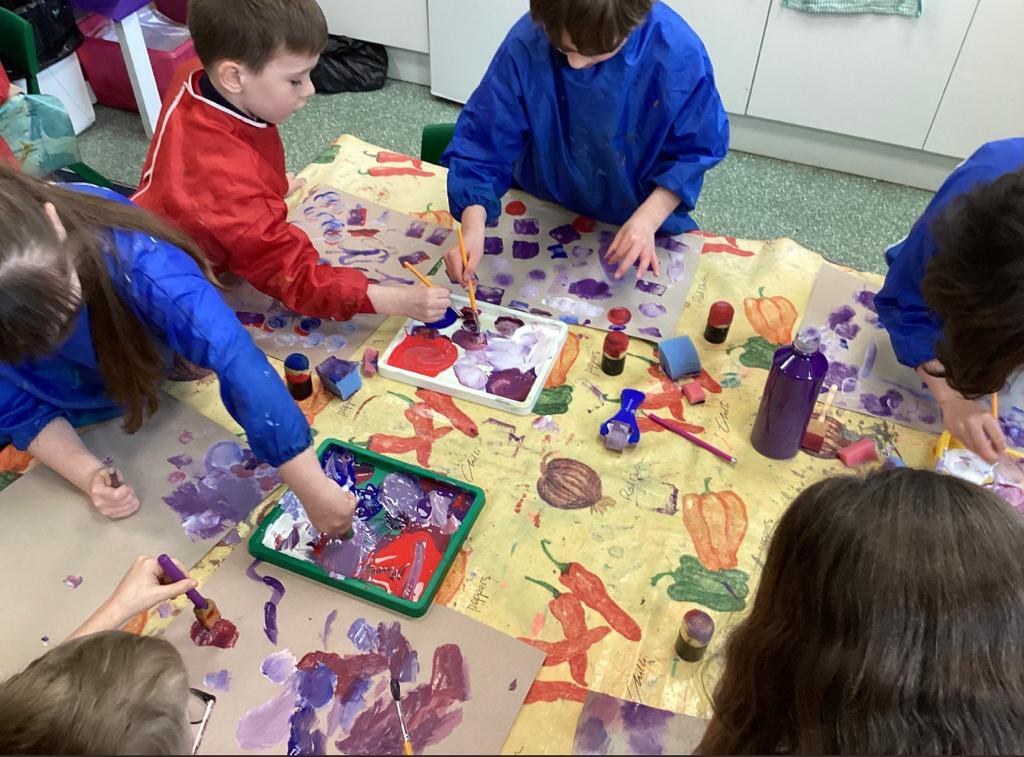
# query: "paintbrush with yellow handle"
472, 286
396, 694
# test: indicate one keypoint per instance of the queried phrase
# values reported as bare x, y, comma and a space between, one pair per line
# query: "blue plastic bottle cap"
678, 357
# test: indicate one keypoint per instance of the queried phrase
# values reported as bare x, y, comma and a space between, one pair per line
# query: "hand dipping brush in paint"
98, 297
606, 107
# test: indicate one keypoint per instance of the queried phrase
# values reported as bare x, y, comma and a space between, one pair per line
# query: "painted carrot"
592, 592
386, 156
445, 405
709, 384
556, 691
566, 358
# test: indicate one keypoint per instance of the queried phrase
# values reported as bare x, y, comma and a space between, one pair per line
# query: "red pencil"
676, 428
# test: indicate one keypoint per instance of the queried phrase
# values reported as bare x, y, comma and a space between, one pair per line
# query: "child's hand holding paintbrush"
139, 590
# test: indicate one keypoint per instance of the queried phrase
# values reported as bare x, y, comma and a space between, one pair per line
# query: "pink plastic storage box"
176, 10
105, 69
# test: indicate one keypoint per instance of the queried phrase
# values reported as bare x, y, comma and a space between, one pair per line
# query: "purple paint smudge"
537, 274
231, 483
363, 636
268, 724
869, 360
650, 287
493, 295
590, 289
651, 331
842, 375
416, 229
565, 234
652, 309
73, 582
494, 246
525, 250
645, 726
840, 321
270, 608
164, 609
557, 252
439, 237
883, 406
866, 299
219, 681
514, 684
278, 666
526, 226
414, 258
186, 437
328, 625
180, 461
671, 244
591, 737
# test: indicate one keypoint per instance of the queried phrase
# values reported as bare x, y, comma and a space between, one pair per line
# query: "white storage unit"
868, 76
731, 31
464, 35
395, 23
985, 96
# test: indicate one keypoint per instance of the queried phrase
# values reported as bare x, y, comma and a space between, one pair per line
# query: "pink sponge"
858, 453
694, 393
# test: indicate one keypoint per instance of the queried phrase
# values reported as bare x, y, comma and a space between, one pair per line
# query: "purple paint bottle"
790, 393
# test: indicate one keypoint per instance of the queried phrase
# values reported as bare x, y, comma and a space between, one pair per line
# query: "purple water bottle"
790, 393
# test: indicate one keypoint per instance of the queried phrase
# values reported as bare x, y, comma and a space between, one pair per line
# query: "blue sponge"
340, 377
679, 357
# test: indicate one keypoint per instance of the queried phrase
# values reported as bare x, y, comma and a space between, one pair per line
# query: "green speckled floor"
849, 219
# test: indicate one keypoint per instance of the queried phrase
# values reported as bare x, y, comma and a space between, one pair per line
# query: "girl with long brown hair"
889, 620
96, 298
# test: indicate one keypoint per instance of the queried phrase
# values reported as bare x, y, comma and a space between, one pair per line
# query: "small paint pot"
613, 359
298, 377
719, 320
694, 635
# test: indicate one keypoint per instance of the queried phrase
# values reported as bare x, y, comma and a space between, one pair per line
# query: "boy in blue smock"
954, 295
606, 107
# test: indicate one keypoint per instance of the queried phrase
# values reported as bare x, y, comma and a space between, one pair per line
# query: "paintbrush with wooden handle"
472, 287
206, 611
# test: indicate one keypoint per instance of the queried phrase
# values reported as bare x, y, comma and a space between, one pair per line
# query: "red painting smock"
220, 177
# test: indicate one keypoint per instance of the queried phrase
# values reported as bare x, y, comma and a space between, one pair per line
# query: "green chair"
18, 43
434, 142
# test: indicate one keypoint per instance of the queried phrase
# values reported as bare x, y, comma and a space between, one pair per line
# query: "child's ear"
228, 75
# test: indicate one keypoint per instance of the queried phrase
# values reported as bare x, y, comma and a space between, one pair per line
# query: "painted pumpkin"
439, 217
570, 485
772, 317
717, 522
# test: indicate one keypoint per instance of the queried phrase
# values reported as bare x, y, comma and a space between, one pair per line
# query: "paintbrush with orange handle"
472, 286
417, 274
206, 611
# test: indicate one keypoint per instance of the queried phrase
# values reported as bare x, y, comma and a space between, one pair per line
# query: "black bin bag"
350, 65
57, 34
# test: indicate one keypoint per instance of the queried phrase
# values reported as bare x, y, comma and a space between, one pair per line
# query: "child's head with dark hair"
889, 620
589, 31
260, 52
55, 256
975, 284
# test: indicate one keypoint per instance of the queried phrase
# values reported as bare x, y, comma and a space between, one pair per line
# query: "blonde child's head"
589, 32
260, 52
108, 693
889, 620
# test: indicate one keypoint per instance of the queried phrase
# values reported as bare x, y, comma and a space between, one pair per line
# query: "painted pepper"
556, 691
723, 590
717, 522
772, 317
445, 405
592, 592
567, 609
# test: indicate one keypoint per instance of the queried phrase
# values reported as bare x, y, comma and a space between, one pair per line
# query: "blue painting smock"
598, 140
913, 327
184, 314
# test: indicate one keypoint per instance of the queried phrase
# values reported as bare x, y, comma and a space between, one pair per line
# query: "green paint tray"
410, 525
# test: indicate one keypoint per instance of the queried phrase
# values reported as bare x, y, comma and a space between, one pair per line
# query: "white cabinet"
985, 96
870, 76
396, 23
464, 35
732, 32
